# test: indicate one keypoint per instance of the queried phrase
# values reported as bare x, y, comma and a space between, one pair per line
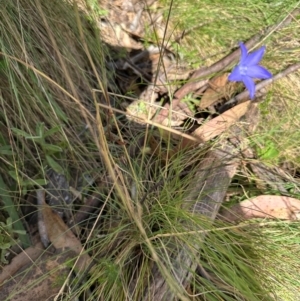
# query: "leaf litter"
156, 81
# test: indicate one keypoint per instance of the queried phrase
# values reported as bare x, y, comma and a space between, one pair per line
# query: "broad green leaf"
269, 151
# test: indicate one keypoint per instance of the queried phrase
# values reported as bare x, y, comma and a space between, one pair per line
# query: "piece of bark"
207, 192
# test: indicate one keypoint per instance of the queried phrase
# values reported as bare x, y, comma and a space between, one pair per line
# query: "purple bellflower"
248, 69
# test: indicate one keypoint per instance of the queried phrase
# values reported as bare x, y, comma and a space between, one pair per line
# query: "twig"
245, 94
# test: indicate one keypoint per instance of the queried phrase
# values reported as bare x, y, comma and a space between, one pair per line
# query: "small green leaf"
3, 140
9, 222
15, 176
26, 135
270, 153
24, 190
32, 182
52, 131
5, 246
21, 133
6, 150
38, 139
13, 214
52, 148
40, 128
54, 165
58, 111
21, 232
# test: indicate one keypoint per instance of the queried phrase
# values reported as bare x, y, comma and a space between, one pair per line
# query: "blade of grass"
10, 207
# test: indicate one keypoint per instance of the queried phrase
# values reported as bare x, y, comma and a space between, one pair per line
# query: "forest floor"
132, 168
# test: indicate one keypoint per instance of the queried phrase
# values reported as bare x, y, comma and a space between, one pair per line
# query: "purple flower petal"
249, 83
244, 52
235, 75
248, 69
258, 72
255, 57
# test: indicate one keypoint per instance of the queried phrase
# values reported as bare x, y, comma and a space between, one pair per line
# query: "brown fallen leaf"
215, 91
114, 35
60, 235
42, 280
263, 206
221, 123
26, 257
